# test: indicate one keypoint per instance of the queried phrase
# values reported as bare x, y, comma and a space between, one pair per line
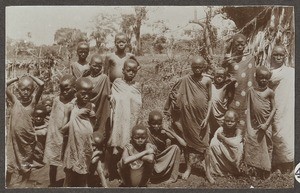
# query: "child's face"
278, 55
25, 89
96, 66
239, 45
139, 137
129, 71
83, 52
155, 123
198, 68
39, 117
83, 95
66, 89
262, 77
230, 121
220, 76
48, 105
120, 42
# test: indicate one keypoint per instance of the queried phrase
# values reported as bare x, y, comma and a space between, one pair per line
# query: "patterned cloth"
243, 72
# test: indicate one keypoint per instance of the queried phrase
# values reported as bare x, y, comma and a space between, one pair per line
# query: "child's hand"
263, 127
112, 101
84, 112
86, 73
204, 123
220, 136
150, 151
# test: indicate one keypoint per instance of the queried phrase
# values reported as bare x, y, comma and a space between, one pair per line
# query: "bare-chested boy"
114, 62
260, 112
136, 165
21, 135
81, 66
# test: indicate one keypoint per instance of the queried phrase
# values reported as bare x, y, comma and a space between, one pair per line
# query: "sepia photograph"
150, 97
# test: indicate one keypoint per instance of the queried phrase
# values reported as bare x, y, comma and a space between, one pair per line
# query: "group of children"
93, 125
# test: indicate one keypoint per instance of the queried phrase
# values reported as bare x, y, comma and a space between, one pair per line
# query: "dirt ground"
40, 179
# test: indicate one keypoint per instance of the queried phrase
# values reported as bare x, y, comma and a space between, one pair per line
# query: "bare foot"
171, 180
210, 179
115, 151
187, 173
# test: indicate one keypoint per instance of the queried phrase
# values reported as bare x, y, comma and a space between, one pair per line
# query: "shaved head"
83, 45
67, 79
239, 36
25, 81
155, 115
198, 60
84, 83
232, 113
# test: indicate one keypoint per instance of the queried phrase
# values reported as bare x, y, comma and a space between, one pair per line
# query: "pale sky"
43, 21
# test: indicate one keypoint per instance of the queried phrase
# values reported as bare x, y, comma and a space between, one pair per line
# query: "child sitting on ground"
136, 165
226, 147
167, 157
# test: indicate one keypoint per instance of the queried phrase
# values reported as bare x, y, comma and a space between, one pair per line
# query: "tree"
128, 21
104, 25
69, 38
159, 44
140, 15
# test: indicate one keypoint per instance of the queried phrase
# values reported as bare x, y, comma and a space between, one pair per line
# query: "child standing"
48, 102
222, 93
136, 165
167, 157
115, 61
101, 91
79, 120
126, 102
191, 98
261, 110
54, 140
21, 135
81, 66
40, 126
